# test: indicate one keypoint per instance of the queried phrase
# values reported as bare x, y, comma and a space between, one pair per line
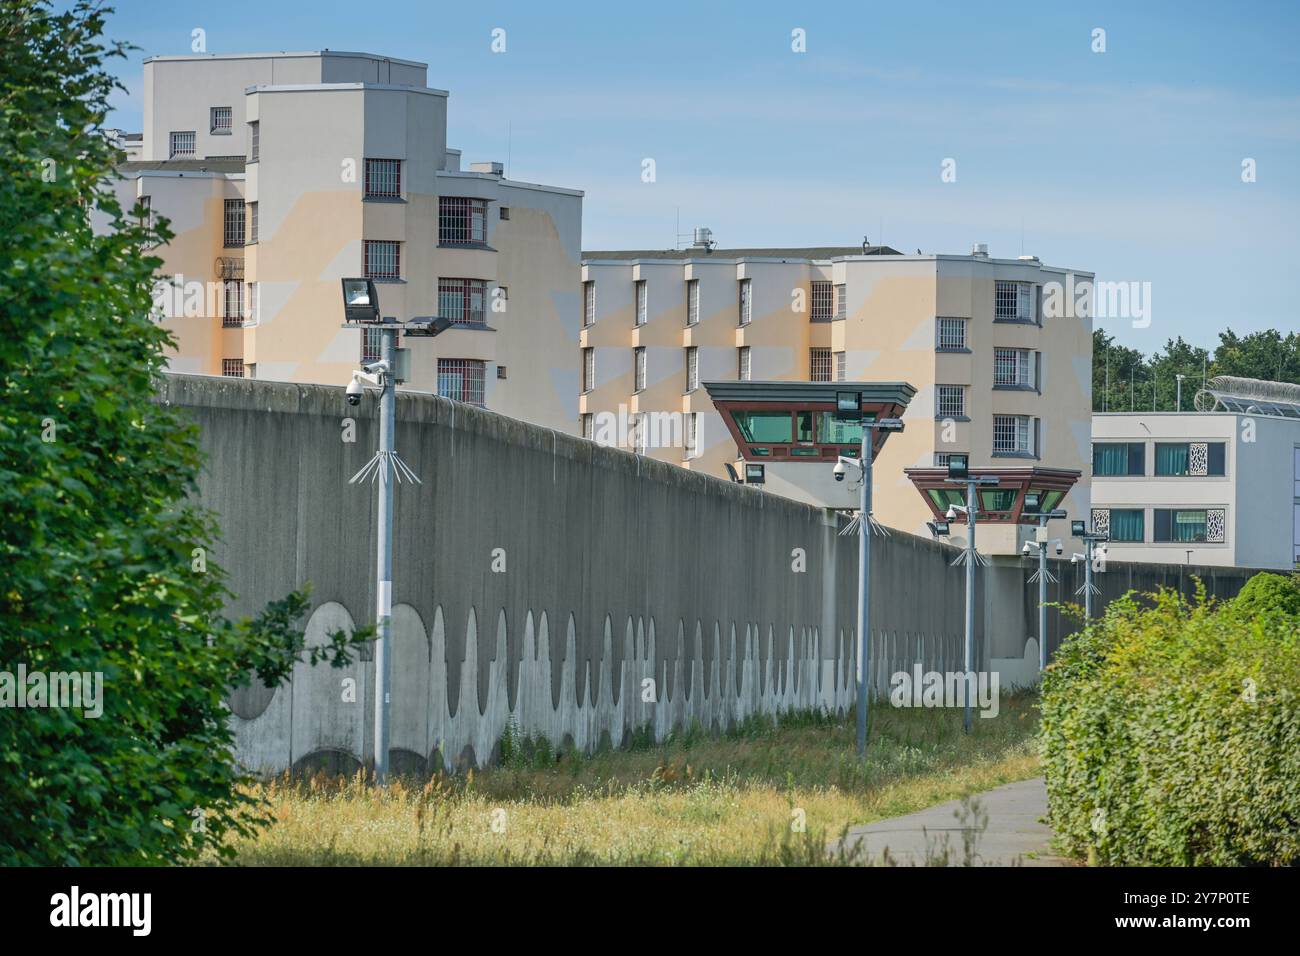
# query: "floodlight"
755, 474
958, 466
360, 300
848, 406
1078, 529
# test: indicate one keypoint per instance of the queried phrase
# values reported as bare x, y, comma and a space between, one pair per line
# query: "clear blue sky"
1126, 163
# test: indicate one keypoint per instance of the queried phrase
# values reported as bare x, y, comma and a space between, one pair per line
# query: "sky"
1127, 163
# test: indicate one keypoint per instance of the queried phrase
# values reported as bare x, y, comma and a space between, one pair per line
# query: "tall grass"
766, 792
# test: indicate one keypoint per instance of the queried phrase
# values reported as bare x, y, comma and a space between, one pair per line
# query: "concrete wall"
612, 569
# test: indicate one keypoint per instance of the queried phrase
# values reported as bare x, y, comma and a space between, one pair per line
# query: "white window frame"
692, 368
1013, 368
1023, 434
218, 112
841, 363
692, 301
638, 368
950, 334
642, 296
744, 369
588, 369
589, 303
944, 403
746, 301
841, 301
173, 138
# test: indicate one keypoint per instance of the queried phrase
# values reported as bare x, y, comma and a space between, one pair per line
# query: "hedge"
1172, 731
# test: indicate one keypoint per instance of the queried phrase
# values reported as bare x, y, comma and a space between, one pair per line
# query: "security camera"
952, 515
1059, 549
1026, 550
840, 470
354, 392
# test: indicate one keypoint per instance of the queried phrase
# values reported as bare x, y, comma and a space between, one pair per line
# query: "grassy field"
765, 793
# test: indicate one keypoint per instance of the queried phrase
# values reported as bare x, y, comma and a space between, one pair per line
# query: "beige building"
999, 373
283, 173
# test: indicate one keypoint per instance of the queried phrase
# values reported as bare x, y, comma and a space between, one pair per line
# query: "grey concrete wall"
618, 570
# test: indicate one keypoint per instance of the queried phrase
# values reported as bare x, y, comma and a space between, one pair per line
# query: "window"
766, 427
252, 303
1127, 525
503, 212
462, 301
746, 302
234, 231
383, 179
461, 380
840, 363
182, 145
232, 304
1180, 525
383, 259
372, 344
221, 120
589, 302
819, 365
950, 401
692, 435
1013, 435
588, 369
942, 458
640, 287
638, 363
952, 335
501, 372
462, 221
823, 303
1014, 302
252, 222
1013, 368
1119, 458
146, 218
841, 301
692, 301
692, 368
1198, 459
743, 360
254, 131
588, 426
232, 368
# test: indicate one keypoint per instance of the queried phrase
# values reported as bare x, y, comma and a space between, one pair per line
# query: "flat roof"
282, 53
319, 87
784, 391
786, 252
215, 165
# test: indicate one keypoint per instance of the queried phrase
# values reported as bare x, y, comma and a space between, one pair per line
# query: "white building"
1218, 487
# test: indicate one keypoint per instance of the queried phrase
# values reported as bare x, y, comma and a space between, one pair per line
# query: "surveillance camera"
1075, 558
354, 392
1059, 549
952, 514
1026, 550
840, 471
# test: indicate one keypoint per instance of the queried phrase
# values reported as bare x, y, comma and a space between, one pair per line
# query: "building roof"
281, 54
1250, 396
899, 393
222, 164
787, 252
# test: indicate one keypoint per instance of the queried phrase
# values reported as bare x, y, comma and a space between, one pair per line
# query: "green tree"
1266, 355
97, 488
1126, 371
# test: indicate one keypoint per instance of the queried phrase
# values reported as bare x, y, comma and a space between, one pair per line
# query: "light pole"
959, 474
1178, 391
1033, 501
361, 310
1090, 539
848, 408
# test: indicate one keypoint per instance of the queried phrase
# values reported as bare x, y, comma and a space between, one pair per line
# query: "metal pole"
1087, 582
1042, 601
864, 590
970, 597
384, 570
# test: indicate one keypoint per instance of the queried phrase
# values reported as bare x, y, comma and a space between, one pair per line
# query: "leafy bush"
1171, 734
102, 550
1270, 594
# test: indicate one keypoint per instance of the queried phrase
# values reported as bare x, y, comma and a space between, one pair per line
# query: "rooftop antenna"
510, 139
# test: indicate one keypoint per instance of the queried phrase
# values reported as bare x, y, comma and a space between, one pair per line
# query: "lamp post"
1090, 540
361, 310
1033, 501
959, 474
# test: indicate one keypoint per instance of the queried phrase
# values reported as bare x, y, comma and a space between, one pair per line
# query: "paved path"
1012, 836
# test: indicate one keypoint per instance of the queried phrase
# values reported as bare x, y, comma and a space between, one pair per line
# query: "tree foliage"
97, 486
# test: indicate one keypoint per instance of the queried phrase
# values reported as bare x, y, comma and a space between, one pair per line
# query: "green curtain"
1110, 459
1126, 525
1189, 526
1171, 459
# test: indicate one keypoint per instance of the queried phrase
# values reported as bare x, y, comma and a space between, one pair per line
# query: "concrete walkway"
998, 828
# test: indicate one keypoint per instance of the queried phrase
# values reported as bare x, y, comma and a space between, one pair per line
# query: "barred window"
943, 458
462, 221
232, 368
841, 301
221, 120
743, 360
638, 364
372, 343
252, 303
254, 131
746, 302
952, 334
950, 401
181, 144
1012, 434
589, 302
692, 368
1013, 301
234, 231
588, 369
640, 302
819, 365
462, 301
692, 435
383, 259
823, 302
840, 366
692, 301
1011, 367
588, 426
462, 380
383, 178
252, 222
232, 304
